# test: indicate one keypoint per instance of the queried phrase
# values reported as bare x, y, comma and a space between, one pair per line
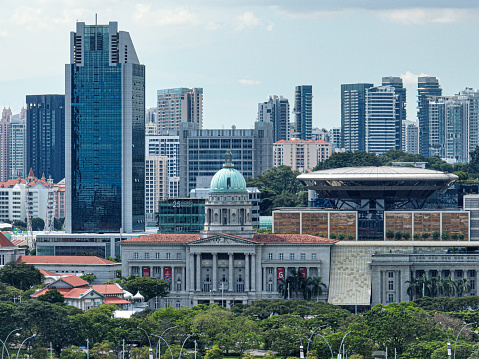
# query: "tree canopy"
20, 275
149, 287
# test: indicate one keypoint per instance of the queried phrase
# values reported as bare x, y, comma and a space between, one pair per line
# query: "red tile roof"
108, 289
291, 238
163, 238
76, 292
301, 141
75, 281
4, 242
63, 291
63, 260
115, 300
47, 273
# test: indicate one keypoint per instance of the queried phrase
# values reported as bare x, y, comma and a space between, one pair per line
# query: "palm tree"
296, 281
316, 286
462, 286
450, 287
283, 288
414, 288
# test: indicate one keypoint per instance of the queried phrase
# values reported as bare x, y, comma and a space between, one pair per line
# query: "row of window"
136, 255
302, 256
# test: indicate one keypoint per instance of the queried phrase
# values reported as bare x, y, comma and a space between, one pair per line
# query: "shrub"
350, 237
425, 235
389, 234
341, 236
416, 236
406, 236
445, 235
332, 236
436, 235
454, 236
462, 236
398, 235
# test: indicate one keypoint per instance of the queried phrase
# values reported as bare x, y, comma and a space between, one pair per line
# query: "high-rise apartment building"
400, 91
105, 132
303, 110
17, 162
473, 127
300, 155
202, 152
381, 130
335, 138
168, 146
46, 135
410, 137
179, 105
426, 87
4, 143
156, 185
353, 116
276, 111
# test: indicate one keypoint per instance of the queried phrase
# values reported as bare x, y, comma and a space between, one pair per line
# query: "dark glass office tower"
45, 138
104, 132
426, 87
303, 109
400, 91
353, 116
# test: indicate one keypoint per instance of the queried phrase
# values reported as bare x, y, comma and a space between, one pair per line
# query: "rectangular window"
281, 256
136, 255
270, 270
168, 255
390, 298
390, 285
270, 256
471, 273
459, 274
147, 255
472, 284
291, 256
313, 256
157, 255
390, 274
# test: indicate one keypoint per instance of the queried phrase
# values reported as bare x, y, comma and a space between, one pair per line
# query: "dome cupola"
228, 178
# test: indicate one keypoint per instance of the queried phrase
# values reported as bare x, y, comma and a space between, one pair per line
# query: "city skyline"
215, 46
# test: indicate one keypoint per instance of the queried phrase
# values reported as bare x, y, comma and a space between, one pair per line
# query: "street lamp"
161, 338
150, 352
301, 352
345, 335
6, 340
448, 342
455, 343
18, 353
184, 341
311, 336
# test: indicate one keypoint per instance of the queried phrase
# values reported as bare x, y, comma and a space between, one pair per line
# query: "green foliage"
341, 236
349, 159
38, 224
214, 353
454, 236
406, 236
436, 235
463, 351
102, 350
72, 352
425, 235
398, 235
463, 176
445, 235
416, 236
389, 234
20, 275
89, 277
421, 349
149, 287
53, 296
58, 223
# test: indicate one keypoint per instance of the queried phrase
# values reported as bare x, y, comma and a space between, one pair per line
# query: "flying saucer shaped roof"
394, 184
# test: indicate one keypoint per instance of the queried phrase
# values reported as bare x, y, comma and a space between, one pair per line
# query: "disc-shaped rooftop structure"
388, 186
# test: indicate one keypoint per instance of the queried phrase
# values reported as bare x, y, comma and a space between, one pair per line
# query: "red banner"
281, 274
168, 274
146, 271
303, 272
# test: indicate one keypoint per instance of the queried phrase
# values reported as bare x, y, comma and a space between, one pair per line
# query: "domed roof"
228, 179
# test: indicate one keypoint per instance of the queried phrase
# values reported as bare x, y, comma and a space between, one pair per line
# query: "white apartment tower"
179, 105
276, 111
17, 146
4, 143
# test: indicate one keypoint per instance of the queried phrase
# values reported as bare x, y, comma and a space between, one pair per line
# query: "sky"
242, 51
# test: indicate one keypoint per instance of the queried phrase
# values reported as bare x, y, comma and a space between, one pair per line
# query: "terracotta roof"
4, 242
291, 238
108, 289
163, 238
74, 281
63, 260
76, 292
301, 141
63, 291
115, 300
47, 273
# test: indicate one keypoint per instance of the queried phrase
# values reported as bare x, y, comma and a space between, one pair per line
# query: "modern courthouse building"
105, 132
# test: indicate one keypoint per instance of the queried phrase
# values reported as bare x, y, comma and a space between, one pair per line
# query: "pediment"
222, 239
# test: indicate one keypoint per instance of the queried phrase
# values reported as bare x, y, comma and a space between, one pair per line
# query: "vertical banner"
303, 272
168, 274
280, 274
146, 271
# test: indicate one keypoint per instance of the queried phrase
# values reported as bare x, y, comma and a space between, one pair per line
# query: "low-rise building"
8, 251
301, 155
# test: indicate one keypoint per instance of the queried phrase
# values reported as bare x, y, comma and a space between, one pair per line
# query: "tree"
38, 224
214, 353
436, 235
53, 296
72, 352
58, 223
445, 235
102, 350
473, 166
398, 235
316, 286
20, 275
349, 159
89, 277
149, 287
389, 234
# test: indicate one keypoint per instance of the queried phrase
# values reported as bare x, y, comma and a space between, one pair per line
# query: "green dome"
228, 179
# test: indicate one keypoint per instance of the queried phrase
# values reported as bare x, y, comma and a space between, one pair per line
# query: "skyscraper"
276, 110
105, 132
396, 83
410, 137
46, 135
353, 116
473, 96
179, 105
4, 143
18, 156
380, 119
303, 110
426, 86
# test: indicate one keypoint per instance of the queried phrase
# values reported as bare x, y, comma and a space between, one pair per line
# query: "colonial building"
227, 263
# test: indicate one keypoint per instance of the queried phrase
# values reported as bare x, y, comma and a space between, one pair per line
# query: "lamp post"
6, 340
345, 335
301, 352
184, 341
18, 352
311, 336
87, 348
448, 342
168, 345
159, 340
150, 352
455, 343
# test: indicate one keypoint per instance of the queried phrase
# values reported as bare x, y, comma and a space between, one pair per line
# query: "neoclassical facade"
227, 263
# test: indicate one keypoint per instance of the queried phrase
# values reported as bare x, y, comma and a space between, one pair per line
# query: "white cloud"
163, 17
248, 82
409, 78
428, 15
247, 21
270, 27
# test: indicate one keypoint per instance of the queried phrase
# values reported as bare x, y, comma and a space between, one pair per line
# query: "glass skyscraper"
303, 103
46, 135
104, 132
426, 87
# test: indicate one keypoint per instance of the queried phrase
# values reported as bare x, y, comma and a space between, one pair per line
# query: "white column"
215, 270
184, 279
275, 279
254, 272
230, 272
191, 269
246, 275
173, 279
162, 276
198, 272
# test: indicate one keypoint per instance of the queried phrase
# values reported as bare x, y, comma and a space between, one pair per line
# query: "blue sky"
242, 51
